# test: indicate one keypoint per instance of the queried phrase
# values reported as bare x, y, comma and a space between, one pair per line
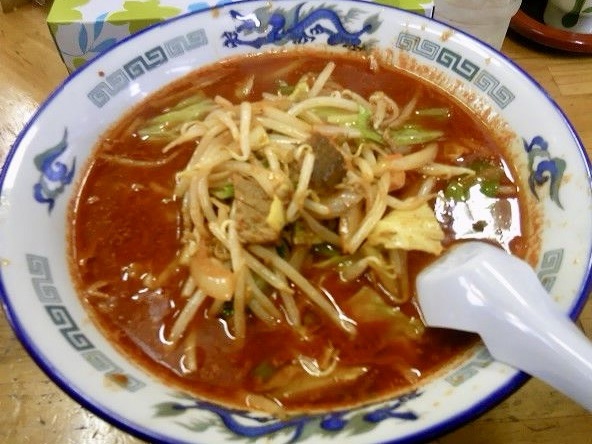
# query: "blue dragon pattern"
282, 26
247, 425
54, 174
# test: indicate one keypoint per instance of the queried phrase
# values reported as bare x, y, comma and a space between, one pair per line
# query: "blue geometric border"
455, 62
48, 295
116, 81
481, 359
550, 266
137, 66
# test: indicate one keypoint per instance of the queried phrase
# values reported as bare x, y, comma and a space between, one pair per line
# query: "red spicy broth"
127, 224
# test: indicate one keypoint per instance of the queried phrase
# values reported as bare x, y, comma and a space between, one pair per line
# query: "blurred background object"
570, 15
488, 20
10, 5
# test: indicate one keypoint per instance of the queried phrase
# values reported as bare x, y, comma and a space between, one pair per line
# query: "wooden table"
34, 410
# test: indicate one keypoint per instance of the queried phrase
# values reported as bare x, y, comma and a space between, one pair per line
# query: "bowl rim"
138, 430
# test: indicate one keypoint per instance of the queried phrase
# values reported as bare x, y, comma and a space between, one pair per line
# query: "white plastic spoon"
479, 288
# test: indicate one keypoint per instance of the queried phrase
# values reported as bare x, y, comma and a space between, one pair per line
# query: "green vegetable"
190, 112
197, 98
264, 370
167, 124
284, 88
486, 180
414, 134
489, 187
329, 255
227, 310
299, 91
332, 116
360, 121
364, 126
458, 189
223, 192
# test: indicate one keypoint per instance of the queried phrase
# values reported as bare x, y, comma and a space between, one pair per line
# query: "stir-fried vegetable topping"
309, 168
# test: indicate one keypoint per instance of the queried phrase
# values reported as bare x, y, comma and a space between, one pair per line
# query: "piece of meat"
252, 208
329, 166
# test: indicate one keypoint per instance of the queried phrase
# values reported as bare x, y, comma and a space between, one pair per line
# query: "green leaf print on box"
411, 5
140, 14
82, 29
82, 41
68, 11
81, 34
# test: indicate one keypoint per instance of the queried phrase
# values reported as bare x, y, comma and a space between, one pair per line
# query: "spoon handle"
482, 289
545, 343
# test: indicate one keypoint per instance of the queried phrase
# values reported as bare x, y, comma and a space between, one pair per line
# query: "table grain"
34, 410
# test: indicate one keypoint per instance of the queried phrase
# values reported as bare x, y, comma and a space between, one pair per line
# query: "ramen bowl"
39, 179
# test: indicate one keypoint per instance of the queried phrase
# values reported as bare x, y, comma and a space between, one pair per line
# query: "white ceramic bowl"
45, 162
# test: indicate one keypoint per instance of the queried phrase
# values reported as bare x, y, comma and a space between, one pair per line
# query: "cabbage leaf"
416, 229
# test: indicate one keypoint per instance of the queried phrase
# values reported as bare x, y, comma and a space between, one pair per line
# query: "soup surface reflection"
273, 277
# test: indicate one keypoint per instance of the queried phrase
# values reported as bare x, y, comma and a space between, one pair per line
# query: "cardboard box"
82, 29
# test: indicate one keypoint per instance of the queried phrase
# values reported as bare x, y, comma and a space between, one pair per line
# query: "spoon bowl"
480, 288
